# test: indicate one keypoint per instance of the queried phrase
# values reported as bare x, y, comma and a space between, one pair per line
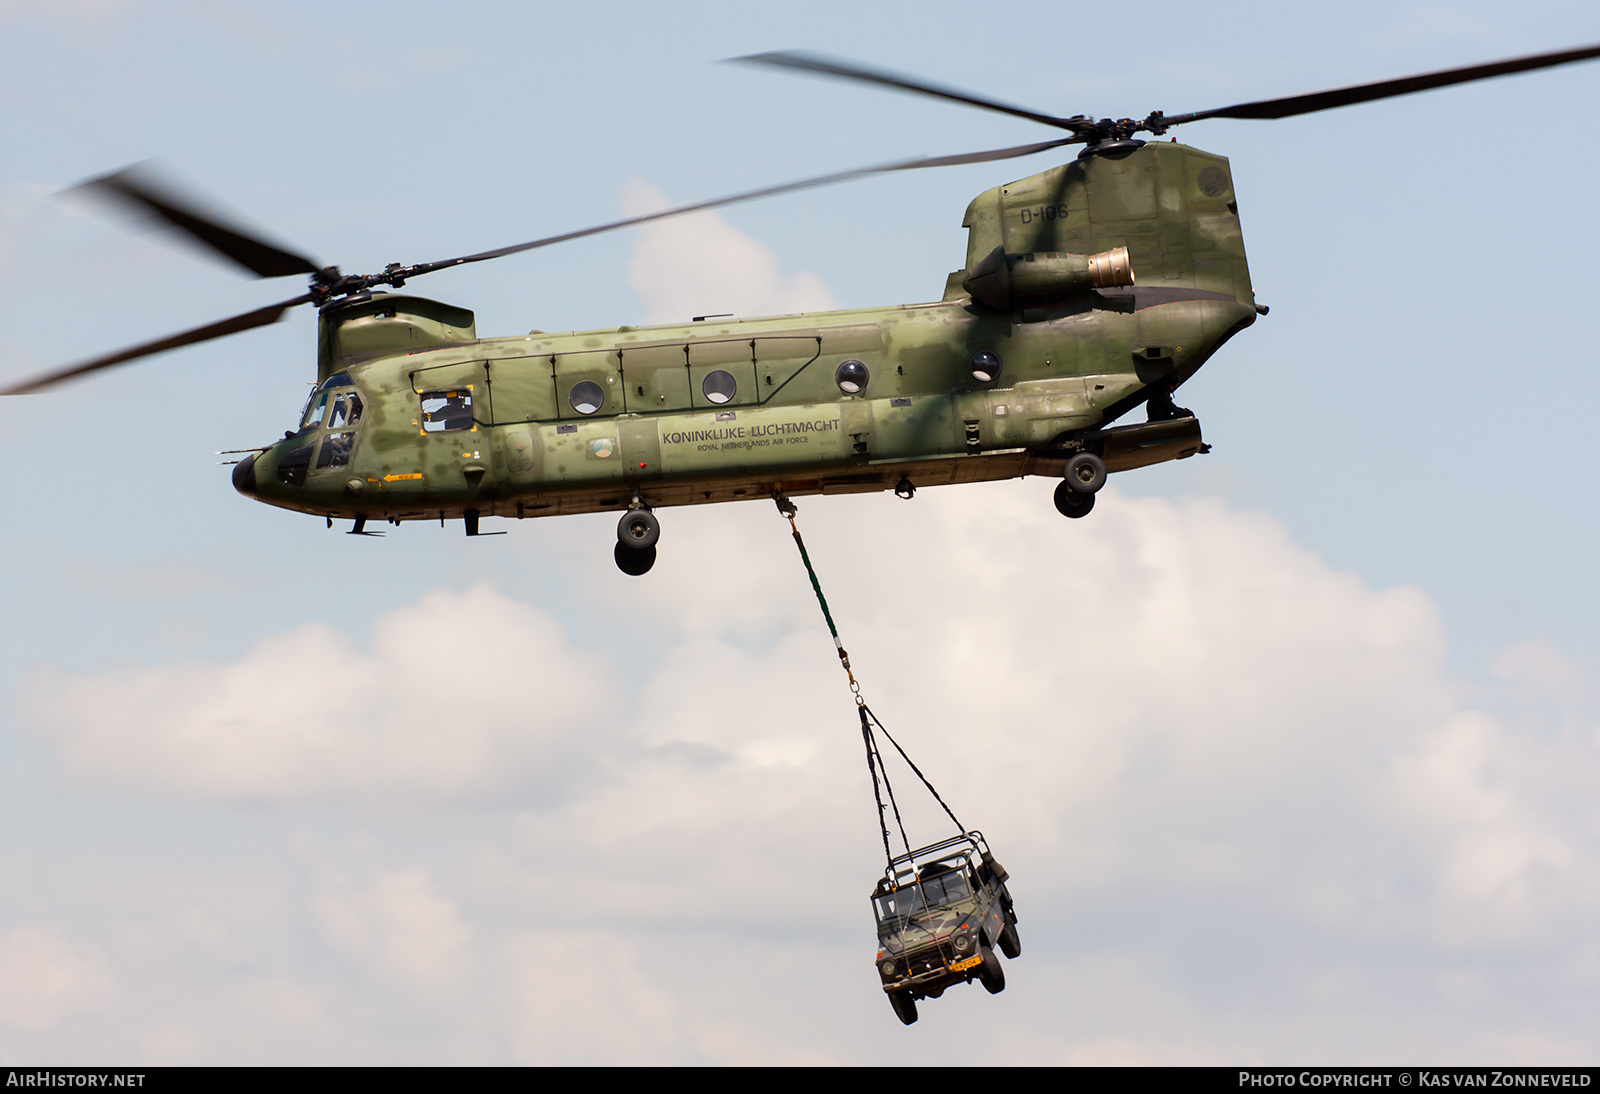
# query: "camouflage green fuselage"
724, 409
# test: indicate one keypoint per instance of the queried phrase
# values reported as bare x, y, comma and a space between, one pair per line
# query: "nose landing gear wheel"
632, 561
1071, 503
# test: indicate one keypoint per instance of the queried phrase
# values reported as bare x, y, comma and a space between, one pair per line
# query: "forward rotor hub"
328, 285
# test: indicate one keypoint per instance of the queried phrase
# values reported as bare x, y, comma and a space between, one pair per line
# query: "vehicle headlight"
887, 968
963, 942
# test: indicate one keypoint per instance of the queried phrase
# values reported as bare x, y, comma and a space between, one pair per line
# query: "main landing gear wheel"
1070, 503
637, 533
905, 1007
1086, 473
632, 561
638, 529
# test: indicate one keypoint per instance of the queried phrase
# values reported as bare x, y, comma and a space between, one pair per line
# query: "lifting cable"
869, 720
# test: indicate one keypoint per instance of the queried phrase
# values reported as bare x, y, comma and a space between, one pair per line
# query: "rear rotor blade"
751, 195
249, 320
138, 186
826, 66
1384, 89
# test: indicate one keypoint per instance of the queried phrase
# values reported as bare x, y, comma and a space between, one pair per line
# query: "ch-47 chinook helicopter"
1089, 289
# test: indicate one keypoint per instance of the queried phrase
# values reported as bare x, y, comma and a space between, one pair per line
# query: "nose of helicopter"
244, 475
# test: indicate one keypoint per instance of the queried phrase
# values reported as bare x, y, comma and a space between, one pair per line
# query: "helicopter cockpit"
334, 412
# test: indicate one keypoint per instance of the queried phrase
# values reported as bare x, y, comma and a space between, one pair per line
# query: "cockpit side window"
446, 411
292, 466
314, 409
346, 411
335, 450
341, 437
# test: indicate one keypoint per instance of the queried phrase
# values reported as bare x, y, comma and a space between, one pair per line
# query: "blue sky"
1291, 745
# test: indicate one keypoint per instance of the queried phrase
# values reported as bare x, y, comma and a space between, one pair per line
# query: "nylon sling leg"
869, 720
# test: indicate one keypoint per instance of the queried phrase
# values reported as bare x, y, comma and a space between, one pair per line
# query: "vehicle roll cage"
905, 869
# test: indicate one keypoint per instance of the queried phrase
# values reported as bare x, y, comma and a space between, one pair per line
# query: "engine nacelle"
1008, 282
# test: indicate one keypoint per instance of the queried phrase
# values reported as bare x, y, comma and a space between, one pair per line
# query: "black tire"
905, 1007
990, 974
634, 563
638, 529
1010, 944
1086, 473
1070, 503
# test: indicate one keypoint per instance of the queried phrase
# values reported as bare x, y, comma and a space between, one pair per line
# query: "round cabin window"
985, 366
719, 386
587, 397
852, 377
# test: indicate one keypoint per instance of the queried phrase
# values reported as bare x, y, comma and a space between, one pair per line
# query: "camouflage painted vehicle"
942, 912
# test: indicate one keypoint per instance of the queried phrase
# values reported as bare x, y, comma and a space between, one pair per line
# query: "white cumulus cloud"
400, 923
701, 265
458, 694
1248, 813
45, 977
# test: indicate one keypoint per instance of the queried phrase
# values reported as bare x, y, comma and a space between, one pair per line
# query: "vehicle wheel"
905, 1007
1086, 472
1070, 503
1010, 944
990, 974
632, 562
638, 529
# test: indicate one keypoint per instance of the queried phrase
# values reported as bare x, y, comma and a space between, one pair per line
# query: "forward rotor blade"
826, 66
1385, 89
138, 186
261, 317
751, 195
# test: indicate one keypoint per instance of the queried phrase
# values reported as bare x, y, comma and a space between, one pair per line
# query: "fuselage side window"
446, 411
587, 397
719, 387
